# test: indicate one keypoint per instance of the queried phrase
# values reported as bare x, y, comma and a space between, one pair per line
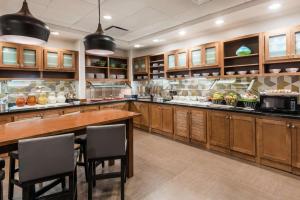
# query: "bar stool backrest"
45, 157
106, 141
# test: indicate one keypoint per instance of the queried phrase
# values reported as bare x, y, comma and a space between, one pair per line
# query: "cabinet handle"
288, 126
293, 126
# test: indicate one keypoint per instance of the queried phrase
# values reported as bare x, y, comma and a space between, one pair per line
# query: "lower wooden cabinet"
190, 125
118, 106
242, 134
143, 120
182, 123
5, 119
161, 119
274, 143
296, 147
230, 132
198, 131
219, 130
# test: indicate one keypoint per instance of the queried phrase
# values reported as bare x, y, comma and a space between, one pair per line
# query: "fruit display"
217, 98
231, 98
249, 100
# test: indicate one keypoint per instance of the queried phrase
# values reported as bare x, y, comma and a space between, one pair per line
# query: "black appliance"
279, 103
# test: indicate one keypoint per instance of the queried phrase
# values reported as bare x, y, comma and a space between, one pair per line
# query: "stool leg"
63, 184
72, 186
94, 174
90, 181
12, 165
85, 162
122, 179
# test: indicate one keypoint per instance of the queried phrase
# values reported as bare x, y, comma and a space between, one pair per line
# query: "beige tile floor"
168, 170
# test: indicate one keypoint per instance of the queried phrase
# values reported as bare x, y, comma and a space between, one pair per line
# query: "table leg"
129, 135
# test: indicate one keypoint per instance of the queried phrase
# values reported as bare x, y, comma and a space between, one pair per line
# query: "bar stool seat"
48, 159
106, 143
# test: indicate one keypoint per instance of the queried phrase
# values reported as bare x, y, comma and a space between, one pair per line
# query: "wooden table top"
10, 133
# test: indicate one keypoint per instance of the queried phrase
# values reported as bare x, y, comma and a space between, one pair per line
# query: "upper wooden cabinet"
177, 59
295, 42
20, 56
277, 45
60, 60
140, 65
205, 55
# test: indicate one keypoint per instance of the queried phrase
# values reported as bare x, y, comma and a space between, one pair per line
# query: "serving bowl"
242, 72
254, 71
230, 73
215, 73
292, 69
275, 71
205, 74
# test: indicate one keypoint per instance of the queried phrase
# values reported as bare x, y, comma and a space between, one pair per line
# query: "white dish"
196, 75
205, 74
172, 76
113, 76
215, 73
186, 76
254, 71
120, 76
275, 71
230, 73
242, 72
179, 76
100, 75
292, 69
90, 75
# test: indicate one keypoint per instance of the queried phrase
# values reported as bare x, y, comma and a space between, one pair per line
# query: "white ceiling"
146, 19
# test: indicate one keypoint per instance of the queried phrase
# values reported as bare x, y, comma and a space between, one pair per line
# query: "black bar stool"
106, 143
2, 176
41, 160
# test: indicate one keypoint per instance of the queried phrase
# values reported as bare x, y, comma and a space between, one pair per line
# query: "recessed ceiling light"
182, 33
54, 33
108, 17
219, 22
158, 40
137, 46
275, 6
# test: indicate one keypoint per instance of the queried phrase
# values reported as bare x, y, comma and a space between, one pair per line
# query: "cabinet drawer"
28, 116
71, 110
89, 108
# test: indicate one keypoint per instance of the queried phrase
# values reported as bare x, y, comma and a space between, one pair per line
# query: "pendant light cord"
99, 29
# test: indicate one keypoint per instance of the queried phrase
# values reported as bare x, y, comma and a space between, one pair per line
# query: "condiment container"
31, 99
61, 97
20, 100
52, 98
43, 100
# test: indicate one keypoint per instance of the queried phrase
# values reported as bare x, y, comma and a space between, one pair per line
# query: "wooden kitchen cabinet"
89, 108
20, 56
140, 65
274, 143
60, 60
211, 54
198, 121
181, 124
5, 119
242, 134
143, 120
161, 118
28, 116
177, 59
277, 45
219, 129
295, 42
117, 106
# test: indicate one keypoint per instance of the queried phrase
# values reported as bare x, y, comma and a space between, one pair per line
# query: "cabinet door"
274, 139
52, 59
170, 60
277, 45
219, 129
156, 117
296, 145
182, 59
68, 60
242, 134
135, 107
198, 126
196, 57
181, 123
9, 55
144, 109
140, 65
295, 42
30, 56
211, 54
167, 119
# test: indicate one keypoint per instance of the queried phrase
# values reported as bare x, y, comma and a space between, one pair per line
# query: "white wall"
262, 26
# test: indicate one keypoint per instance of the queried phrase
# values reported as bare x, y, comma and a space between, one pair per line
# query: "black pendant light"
97, 43
22, 27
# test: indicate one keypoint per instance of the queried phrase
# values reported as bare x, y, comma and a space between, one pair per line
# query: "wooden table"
12, 132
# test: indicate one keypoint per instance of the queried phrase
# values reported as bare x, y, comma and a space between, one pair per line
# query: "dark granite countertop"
228, 109
232, 109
